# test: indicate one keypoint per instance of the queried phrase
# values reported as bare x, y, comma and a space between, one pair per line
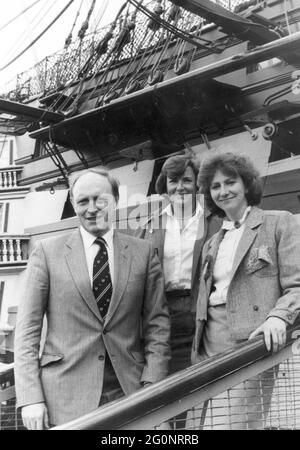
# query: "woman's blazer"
265, 275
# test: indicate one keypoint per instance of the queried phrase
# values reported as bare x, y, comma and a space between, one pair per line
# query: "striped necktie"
102, 286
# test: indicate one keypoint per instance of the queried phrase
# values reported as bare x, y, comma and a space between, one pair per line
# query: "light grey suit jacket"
69, 374
265, 277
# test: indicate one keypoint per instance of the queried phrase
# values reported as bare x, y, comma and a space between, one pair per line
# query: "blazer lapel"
155, 233
252, 222
76, 261
158, 240
122, 265
200, 239
207, 275
243, 246
212, 255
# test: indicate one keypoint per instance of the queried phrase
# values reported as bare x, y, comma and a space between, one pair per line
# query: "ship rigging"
159, 77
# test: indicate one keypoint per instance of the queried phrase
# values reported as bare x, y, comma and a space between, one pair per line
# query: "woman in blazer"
178, 233
250, 277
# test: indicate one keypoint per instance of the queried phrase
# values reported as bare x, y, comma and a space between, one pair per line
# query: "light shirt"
179, 248
91, 249
222, 272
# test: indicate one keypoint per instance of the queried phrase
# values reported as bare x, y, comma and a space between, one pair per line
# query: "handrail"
7, 388
120, 413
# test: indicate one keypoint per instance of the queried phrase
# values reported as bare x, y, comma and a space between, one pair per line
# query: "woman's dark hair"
174, 167
233, 165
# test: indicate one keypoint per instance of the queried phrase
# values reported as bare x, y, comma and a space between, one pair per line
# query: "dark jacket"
154, 230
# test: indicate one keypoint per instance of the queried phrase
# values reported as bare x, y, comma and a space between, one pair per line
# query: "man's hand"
35, 417
274, 331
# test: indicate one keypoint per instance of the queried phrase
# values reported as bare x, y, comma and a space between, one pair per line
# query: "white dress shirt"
91, 250
222, 271
179, 248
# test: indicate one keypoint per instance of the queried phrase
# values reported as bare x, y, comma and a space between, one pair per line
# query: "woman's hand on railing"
274, 331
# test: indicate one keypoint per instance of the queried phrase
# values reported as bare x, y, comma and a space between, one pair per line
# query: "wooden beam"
29, 112
211, 71
232, 23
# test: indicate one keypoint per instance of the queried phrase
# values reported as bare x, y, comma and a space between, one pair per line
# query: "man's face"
182, 190
94, 203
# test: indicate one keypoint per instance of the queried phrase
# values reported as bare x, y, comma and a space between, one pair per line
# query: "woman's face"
182, 190
228, 193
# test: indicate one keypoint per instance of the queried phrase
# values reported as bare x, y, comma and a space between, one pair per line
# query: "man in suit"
107, 320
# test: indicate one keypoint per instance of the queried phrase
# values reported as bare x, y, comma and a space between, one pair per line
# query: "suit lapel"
122, 265
76, 262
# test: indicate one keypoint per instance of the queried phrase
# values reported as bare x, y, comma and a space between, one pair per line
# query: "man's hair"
233, 165
174, 167
74, 177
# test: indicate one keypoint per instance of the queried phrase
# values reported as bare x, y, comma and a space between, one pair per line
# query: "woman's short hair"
74, 177
174, 167
233, 165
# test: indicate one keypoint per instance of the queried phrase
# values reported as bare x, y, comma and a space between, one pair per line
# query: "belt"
179, 293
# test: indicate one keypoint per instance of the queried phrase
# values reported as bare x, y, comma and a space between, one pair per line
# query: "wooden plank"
233, 24
29, 112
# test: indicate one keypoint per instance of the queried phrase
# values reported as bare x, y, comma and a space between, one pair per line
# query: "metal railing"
10, 419
214, 394
208, 395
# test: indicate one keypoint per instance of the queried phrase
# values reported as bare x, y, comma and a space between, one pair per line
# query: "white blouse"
222, 272
179, 249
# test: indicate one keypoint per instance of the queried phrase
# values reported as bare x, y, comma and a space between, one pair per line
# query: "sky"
22, 30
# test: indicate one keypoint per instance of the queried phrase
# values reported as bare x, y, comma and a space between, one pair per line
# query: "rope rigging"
100, 50
150, 51
19, 15
38, 37
85, 24
192, 39
34, 23
134, 77
70, 36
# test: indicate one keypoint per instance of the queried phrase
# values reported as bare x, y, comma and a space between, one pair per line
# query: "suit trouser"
111, 389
